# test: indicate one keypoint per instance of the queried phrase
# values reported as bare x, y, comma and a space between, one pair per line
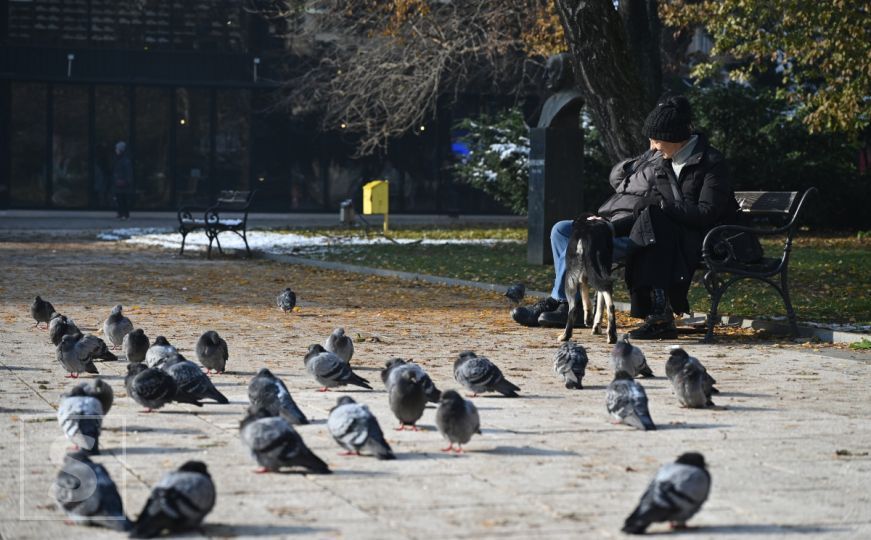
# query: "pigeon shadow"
751, 529
682, 425
741, 394
26, 368
144, 429
740, 408
4, 410
523, 451
593, 387
139, 450
220, 530
352, 472
414, 456
539, 396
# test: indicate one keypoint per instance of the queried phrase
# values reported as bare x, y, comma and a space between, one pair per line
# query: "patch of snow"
270, 241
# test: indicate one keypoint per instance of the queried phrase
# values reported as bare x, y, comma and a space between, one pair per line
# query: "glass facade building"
178, 83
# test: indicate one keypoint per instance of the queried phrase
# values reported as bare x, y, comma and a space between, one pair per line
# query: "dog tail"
598, 245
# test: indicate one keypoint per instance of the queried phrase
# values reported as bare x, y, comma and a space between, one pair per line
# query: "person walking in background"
122, 180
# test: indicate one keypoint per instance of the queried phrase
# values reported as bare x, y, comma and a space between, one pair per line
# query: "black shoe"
528, 315
557, 318
655, 327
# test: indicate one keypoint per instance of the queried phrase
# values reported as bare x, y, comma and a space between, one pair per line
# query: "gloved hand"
643, 203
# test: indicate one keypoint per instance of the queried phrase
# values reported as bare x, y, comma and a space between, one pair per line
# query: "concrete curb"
774, 327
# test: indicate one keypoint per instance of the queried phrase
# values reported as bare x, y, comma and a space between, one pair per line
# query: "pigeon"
86, 493
77, 353
516, 292
41, 311
330, 371
212, 352
149, 387
340, 345
81, 417
116, 326
570, 363
59, 326
395, 366
191, 383
407, 398
457, 420
266, 391
479, 375
135, 345
159, 352
286, 300
275, 444
178, 502
100, 389
690, 380
629, 358
627, 402
676, 493
355, 428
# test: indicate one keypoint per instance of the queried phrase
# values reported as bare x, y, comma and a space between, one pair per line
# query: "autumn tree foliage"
821, 52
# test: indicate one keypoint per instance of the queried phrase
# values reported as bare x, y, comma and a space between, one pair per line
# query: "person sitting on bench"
632, 180
691, 194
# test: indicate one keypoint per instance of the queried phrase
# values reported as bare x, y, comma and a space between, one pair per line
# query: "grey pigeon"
329, 370
275, 444
81, 418
396, 366
191, 383
41, 311
480, 375
629, 358
355, 428
407, 398
286, 300
457, 420
690, 380
516, 293
340, 345
86, 493
178, 502
149, 387
100, 389
77, 353
212, 352
676, 494
627, 402
266, 391
116, 326
59, 326
570, 363
159, 352
135, 345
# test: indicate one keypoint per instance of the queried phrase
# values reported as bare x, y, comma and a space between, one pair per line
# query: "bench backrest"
235, 200
772, 203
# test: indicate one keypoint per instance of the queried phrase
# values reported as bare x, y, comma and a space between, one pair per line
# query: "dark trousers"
123, 202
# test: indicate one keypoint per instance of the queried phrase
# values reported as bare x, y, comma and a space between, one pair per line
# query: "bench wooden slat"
766, 202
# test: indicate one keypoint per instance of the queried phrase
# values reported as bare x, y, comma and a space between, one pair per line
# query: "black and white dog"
588, 263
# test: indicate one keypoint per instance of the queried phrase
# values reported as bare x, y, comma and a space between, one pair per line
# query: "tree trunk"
643, 28
605, 74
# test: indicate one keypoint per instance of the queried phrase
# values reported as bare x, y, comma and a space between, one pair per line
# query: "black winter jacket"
703, 198
632, 180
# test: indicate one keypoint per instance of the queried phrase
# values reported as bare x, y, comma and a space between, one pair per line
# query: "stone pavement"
787, 445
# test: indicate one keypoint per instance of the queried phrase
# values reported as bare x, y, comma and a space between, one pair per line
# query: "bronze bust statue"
563, 107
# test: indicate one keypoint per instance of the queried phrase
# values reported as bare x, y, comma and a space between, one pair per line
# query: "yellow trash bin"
376, 195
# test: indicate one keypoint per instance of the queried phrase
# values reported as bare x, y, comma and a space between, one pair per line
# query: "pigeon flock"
158, 375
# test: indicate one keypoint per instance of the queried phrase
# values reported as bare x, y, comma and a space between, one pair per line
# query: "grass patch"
830, 279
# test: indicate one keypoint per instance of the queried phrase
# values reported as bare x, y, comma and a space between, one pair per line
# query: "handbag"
742, 247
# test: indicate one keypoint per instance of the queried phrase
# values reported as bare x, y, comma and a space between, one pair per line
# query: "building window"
150, 148
28, 145
193, 146
71, 186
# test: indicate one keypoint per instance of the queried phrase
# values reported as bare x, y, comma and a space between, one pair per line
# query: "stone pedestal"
556, 159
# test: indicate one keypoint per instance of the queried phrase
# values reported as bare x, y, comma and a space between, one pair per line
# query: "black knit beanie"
669, 121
